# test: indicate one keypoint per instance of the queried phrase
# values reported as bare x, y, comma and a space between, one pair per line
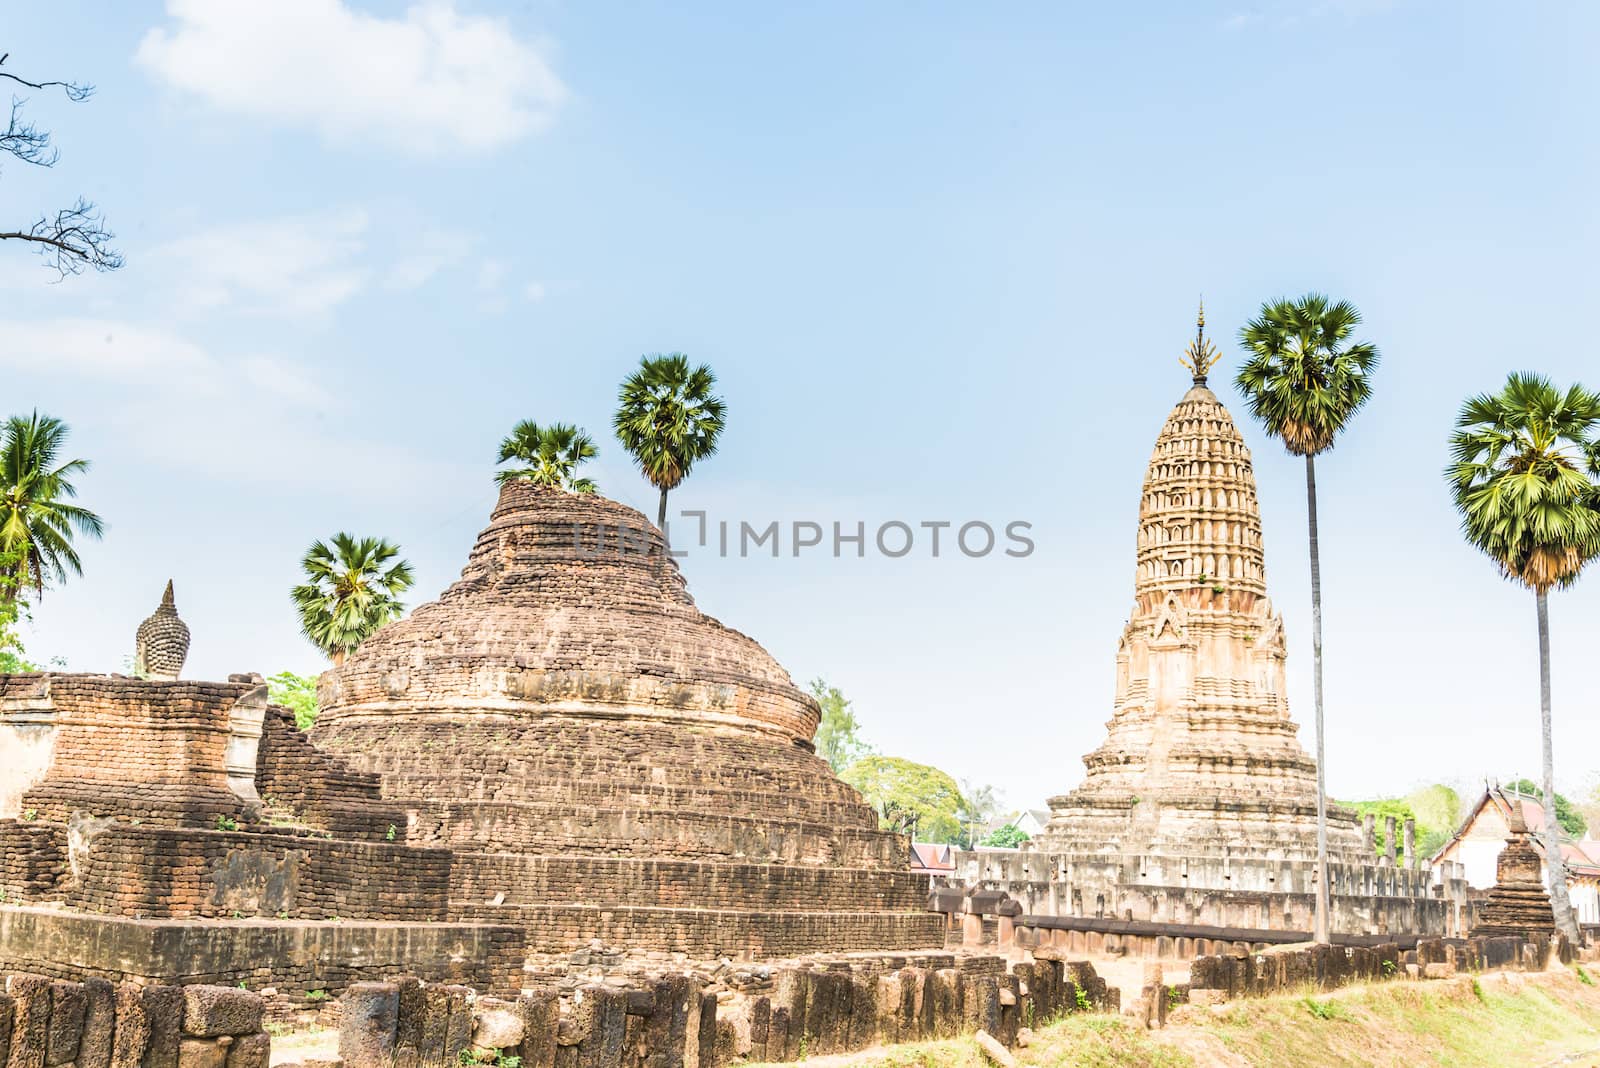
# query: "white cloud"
535, 291
102, 349
432, 253
431, 80
300, 266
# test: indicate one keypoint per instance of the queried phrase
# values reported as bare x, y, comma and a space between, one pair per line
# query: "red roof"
932, 856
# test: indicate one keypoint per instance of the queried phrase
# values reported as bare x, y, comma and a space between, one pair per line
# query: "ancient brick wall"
537, 880
318, 791
704, 933
95, 1024
33, 860
152, 751
154, 871
293, 957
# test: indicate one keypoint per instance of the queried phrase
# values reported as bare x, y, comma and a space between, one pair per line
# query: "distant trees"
548, 456
1008, 837
838, 737
353, 587
1524, 464
910, 798
978, 806
1303, 381
38, 520
668, 419
70, 239
297, 693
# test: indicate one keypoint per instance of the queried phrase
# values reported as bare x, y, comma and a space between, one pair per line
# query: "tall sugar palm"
550, 456
668, 418
1524, 464
37, 519
1304, 380
352, 589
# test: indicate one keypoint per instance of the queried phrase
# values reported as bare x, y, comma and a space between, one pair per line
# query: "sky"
942, 258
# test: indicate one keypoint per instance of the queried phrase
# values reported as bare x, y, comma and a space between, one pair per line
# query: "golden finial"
1201, 354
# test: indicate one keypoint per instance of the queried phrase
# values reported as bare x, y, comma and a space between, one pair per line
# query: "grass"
1466, 1022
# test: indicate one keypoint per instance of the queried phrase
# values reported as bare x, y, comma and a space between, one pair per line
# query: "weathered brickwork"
293, 957
536, 880
608, 762
33, 859
151, 751
164, 872
314, 790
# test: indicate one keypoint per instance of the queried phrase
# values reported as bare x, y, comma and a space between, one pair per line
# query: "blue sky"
942, 258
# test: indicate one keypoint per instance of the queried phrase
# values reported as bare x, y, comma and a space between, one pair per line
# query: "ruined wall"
166, 872
1375, 898
152, 751
94, 1024
33, 860
829, 1008
300, 782
295, 957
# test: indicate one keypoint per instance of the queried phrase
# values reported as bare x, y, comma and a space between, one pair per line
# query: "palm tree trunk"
661, 513
1320, 932
1555, 871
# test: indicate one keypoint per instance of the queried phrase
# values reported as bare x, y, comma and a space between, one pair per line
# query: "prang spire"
1201, 355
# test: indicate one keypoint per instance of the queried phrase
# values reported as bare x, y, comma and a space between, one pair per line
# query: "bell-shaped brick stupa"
609, 762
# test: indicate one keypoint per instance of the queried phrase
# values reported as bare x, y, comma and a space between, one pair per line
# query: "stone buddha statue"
162, 642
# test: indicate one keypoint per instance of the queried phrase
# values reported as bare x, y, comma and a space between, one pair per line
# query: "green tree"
37, 517
909, 798
668, 419
1438, 809
550, 456
297, 693
838, 738
1303, 381
353, 588
1008, 837
13, 606
1522, 472
1568, 818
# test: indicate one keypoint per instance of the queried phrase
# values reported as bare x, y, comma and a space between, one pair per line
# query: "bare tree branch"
74, 90
74, 238
26, 141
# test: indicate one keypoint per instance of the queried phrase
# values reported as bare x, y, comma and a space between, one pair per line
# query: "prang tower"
1200, 756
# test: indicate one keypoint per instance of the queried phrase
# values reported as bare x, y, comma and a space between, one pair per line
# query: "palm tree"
667, 418
37, 520
552, 455
353, 589
1304, 381
1523, 470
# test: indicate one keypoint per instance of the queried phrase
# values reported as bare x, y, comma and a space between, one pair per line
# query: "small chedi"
186, 832
1518, 902
162, 642
607, 762
1200, 806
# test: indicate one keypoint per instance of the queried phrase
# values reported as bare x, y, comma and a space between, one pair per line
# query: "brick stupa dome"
609, 762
